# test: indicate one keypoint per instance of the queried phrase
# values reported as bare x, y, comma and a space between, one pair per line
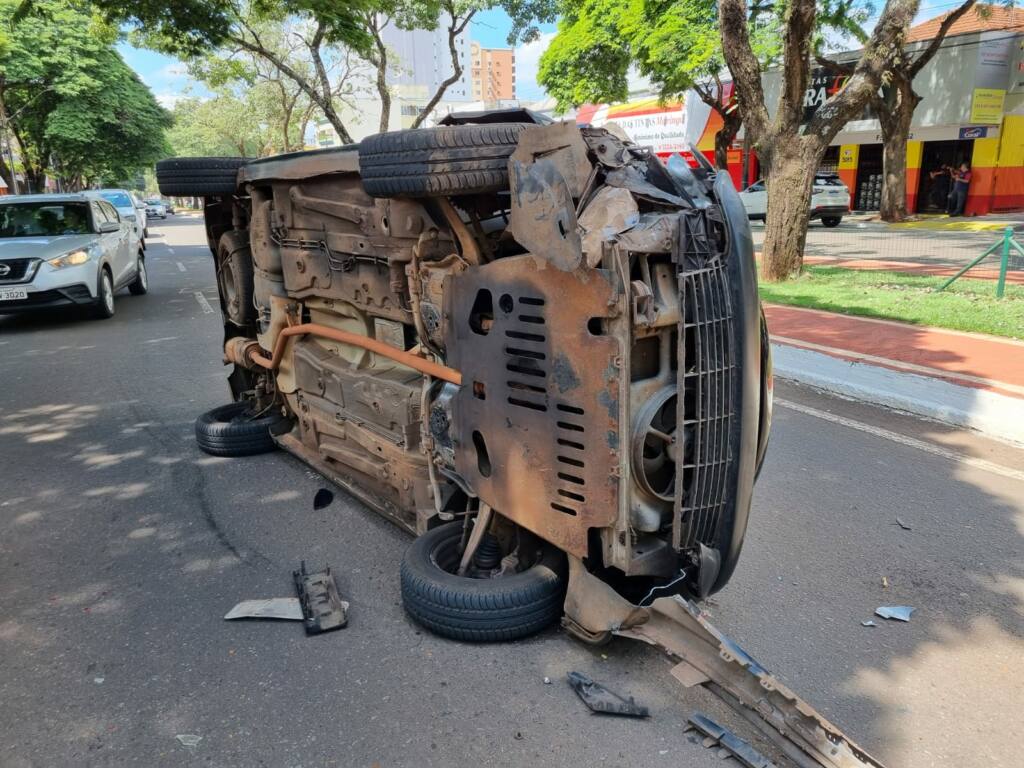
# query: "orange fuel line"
384, 350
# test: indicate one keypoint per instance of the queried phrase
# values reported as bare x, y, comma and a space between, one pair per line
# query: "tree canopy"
76, 110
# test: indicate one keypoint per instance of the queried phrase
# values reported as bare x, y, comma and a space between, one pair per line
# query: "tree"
190, 28
673, 42
75, 108
227, 124
788, 150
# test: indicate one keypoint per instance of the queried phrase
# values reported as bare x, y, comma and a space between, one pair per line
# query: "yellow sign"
848, 157
987, 105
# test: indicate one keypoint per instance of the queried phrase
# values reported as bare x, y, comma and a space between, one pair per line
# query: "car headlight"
73, 259
818, 190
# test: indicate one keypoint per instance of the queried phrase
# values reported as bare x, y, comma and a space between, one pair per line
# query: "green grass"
967, 305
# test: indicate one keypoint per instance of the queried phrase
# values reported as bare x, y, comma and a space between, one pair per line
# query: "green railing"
1007, 242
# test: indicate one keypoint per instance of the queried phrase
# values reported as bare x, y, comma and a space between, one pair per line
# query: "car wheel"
447, 160
831, 221
140, 285
478, 609
199, 176
104, 307
235, 430
235, 278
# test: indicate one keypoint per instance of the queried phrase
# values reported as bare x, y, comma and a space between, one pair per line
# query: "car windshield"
119, 199
154, 202
828, 181
44, 219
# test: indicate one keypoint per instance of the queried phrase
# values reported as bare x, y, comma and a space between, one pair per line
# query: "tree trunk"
380, 61
789, 178
731, 122
895, 112
455, 28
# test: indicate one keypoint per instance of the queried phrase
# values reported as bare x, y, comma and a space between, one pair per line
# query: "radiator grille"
17, 270
707, 362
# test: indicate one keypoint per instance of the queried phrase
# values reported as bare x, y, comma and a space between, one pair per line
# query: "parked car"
66, 250
426, 320
130, 209
169, 205
156, 208
830, 200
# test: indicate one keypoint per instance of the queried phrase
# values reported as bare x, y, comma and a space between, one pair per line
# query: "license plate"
13, 294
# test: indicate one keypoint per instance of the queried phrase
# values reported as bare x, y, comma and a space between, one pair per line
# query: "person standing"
939, 193
961, 183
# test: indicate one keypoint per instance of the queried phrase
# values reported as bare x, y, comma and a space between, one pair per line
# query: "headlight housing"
74, 259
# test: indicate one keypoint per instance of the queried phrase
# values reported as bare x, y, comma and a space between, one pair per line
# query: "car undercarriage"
533, 345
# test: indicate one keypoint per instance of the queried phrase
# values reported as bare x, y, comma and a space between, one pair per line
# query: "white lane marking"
181, 267
170, 250
163, 338
921, 445
207, 309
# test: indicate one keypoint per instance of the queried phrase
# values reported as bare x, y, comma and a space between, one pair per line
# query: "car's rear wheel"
199, 176
446, 160
104, 306
831, 221
479, 609
140, 285
236, 430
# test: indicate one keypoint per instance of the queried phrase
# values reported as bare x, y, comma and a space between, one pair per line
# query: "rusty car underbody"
576, 354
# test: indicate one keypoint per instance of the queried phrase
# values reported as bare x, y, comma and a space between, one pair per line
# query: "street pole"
1004, 262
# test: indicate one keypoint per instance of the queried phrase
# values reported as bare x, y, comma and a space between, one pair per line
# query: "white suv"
65, 251
830, 200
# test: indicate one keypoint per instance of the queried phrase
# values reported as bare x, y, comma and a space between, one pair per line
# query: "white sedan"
830, 200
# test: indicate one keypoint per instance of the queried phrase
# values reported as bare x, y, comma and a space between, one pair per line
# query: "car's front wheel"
140, 285
104, 306
831, 221
487, 605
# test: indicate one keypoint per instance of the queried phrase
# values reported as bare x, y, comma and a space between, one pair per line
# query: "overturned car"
535, 346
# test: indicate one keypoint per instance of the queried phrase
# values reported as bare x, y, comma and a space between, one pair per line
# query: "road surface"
122, 546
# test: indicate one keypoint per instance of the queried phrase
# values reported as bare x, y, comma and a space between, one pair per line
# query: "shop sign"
974, 132
987, 105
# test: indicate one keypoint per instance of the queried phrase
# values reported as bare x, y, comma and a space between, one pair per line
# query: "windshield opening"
44, 219
119, 199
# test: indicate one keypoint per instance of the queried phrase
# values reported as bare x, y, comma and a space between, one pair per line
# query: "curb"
991, 413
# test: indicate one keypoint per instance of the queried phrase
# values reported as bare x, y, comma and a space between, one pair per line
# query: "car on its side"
156, 208
830, 200
68, 250
532, 344
130, 209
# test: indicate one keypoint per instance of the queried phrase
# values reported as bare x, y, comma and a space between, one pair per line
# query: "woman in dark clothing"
961, 183
939, 193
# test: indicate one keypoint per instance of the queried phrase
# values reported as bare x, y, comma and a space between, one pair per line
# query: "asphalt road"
122, 546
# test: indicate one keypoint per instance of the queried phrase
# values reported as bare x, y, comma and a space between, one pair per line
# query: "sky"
169, 80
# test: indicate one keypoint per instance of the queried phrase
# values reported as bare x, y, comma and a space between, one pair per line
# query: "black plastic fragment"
322, 607
600, 699
724, 738
322, 498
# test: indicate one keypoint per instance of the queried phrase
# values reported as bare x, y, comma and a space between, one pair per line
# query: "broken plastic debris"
868, 623
600, 699
902, 525
98, 680
323, 498
547, 681
885, 582
287, 608
899, 612
189, 739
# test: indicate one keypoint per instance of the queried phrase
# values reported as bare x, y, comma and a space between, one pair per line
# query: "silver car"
66, 250
130, 208
155, 209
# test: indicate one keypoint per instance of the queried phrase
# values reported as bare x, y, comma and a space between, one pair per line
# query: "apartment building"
492, 73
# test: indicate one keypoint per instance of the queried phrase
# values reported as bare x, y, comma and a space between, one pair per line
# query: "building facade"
422, 60
492, 73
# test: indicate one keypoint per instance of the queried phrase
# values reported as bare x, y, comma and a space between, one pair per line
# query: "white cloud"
527, 64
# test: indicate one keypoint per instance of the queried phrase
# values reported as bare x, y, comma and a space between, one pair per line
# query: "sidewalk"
964, 379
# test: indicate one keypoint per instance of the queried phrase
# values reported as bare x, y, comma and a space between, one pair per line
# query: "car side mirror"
109, 226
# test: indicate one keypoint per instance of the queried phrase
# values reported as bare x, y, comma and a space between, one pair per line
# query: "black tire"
140, 285
235, 279
831, 221
199, 176
478, 610
103, 309
232, 430
447, 160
